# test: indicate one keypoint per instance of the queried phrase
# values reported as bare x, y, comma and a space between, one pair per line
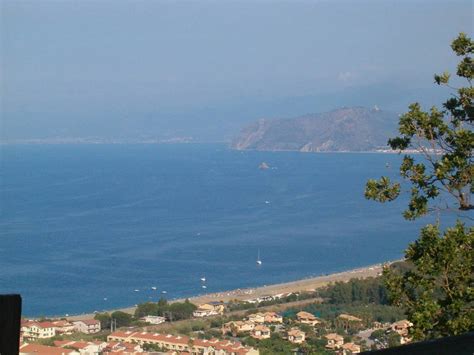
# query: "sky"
204, 68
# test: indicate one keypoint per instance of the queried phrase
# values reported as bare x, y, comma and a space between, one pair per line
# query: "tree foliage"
123, 319
385, 339
175, 310
437, 292
370, 290
444, 138
104, 319
182, 310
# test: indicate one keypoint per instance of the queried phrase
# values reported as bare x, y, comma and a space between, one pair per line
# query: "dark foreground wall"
455, 345
10, 318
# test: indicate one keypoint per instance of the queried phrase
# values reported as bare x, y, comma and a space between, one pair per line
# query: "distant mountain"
345, 129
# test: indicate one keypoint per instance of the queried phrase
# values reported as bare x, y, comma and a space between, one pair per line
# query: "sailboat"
259, 262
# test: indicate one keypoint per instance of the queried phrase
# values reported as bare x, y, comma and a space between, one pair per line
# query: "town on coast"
231, 322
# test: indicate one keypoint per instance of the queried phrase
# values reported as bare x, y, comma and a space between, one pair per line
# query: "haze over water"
80, 223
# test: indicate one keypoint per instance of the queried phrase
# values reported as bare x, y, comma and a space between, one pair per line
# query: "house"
307, 318
153, 319
209, 309
335, 341
87, 326
32, 330
265, 298
349, 318
256, 318
260, 332
183, 343
296, 336
204, 310
113, 347
63, 327
83, 347
37, 349
236, 327
378, 325
350, 348
272, 317
347, 321
218, 307
402, 327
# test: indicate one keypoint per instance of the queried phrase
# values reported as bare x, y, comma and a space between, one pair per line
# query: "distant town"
327, 320
99, 140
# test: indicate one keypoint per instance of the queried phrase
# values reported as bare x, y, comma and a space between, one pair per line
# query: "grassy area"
76, 337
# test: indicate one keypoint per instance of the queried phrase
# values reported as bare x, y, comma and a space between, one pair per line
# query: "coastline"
309, 284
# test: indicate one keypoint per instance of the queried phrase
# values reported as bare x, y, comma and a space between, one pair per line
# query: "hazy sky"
125, 68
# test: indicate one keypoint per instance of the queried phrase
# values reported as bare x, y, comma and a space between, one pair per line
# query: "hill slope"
345, 129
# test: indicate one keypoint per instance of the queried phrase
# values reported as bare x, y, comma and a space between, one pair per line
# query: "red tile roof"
38, 349
305, 315
334, 336
31, 323
217, 344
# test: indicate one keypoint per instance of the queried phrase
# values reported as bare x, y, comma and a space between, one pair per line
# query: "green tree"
385, 339
370, 290
146, 309
123, 319
182, 310
437, 291
104, 319
393, 339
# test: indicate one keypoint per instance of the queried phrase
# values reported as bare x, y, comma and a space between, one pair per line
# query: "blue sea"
84, 226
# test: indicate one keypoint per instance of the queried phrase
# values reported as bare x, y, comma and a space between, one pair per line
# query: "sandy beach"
308, 284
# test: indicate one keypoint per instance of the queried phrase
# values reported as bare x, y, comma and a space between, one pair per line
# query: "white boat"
203, 279
153, 288
163, 291
259, 262
204, 286
136, 290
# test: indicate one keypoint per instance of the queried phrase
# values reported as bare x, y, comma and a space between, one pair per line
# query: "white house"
209, 309
296, 336
335, 341
32, 330
260, 332
307, 318
63, 327
83, 347
256, 318
153, 319
88, 326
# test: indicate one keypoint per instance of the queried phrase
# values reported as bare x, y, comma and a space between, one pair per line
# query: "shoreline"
226, 144
307, 284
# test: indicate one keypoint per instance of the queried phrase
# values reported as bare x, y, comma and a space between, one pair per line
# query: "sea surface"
84, 226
